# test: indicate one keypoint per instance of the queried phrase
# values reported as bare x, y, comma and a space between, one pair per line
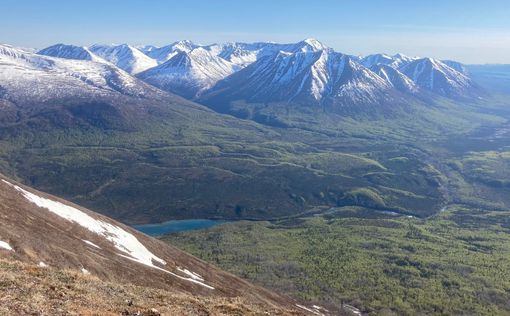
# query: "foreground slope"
43, 230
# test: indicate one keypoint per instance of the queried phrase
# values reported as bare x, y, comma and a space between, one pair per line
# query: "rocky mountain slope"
50, 233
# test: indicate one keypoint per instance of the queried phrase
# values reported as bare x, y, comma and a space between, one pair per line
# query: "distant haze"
467, 31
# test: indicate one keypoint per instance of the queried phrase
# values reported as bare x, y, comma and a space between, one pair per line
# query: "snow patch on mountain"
6, 246
310, 310
192, 275
91, 244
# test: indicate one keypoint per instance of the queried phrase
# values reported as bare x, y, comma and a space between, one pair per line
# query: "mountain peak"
69, 52
164, 53
124, 56
187, 73
311, 45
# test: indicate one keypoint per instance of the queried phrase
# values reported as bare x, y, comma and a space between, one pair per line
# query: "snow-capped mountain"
26, 76
162, 54
243, 54
310, 72
305, 76
239, 54
189, 69
69, 52
189, 73
146, 48
307, 70
308, 45
125, 57
439, 78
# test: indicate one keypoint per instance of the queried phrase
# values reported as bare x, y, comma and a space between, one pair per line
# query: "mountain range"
304, 72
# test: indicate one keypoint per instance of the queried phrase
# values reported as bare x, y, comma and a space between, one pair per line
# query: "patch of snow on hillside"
121, 239
313, 311
352, 309
91, 244
6, 246
193, 275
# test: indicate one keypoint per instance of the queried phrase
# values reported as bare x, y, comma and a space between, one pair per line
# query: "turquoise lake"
177, 226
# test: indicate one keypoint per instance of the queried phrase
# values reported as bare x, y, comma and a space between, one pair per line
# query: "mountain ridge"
193, 70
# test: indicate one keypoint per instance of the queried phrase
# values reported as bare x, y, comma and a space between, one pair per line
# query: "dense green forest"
454, 263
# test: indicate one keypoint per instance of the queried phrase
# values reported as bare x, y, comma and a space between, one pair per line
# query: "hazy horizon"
466, 31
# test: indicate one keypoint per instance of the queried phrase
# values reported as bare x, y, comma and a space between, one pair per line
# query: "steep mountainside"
46, 231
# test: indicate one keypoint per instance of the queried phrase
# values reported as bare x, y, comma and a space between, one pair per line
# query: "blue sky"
468, 30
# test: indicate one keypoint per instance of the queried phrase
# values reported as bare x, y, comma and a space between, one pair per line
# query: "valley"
370, 184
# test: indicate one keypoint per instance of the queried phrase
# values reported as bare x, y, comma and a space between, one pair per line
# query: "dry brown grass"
30, 290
